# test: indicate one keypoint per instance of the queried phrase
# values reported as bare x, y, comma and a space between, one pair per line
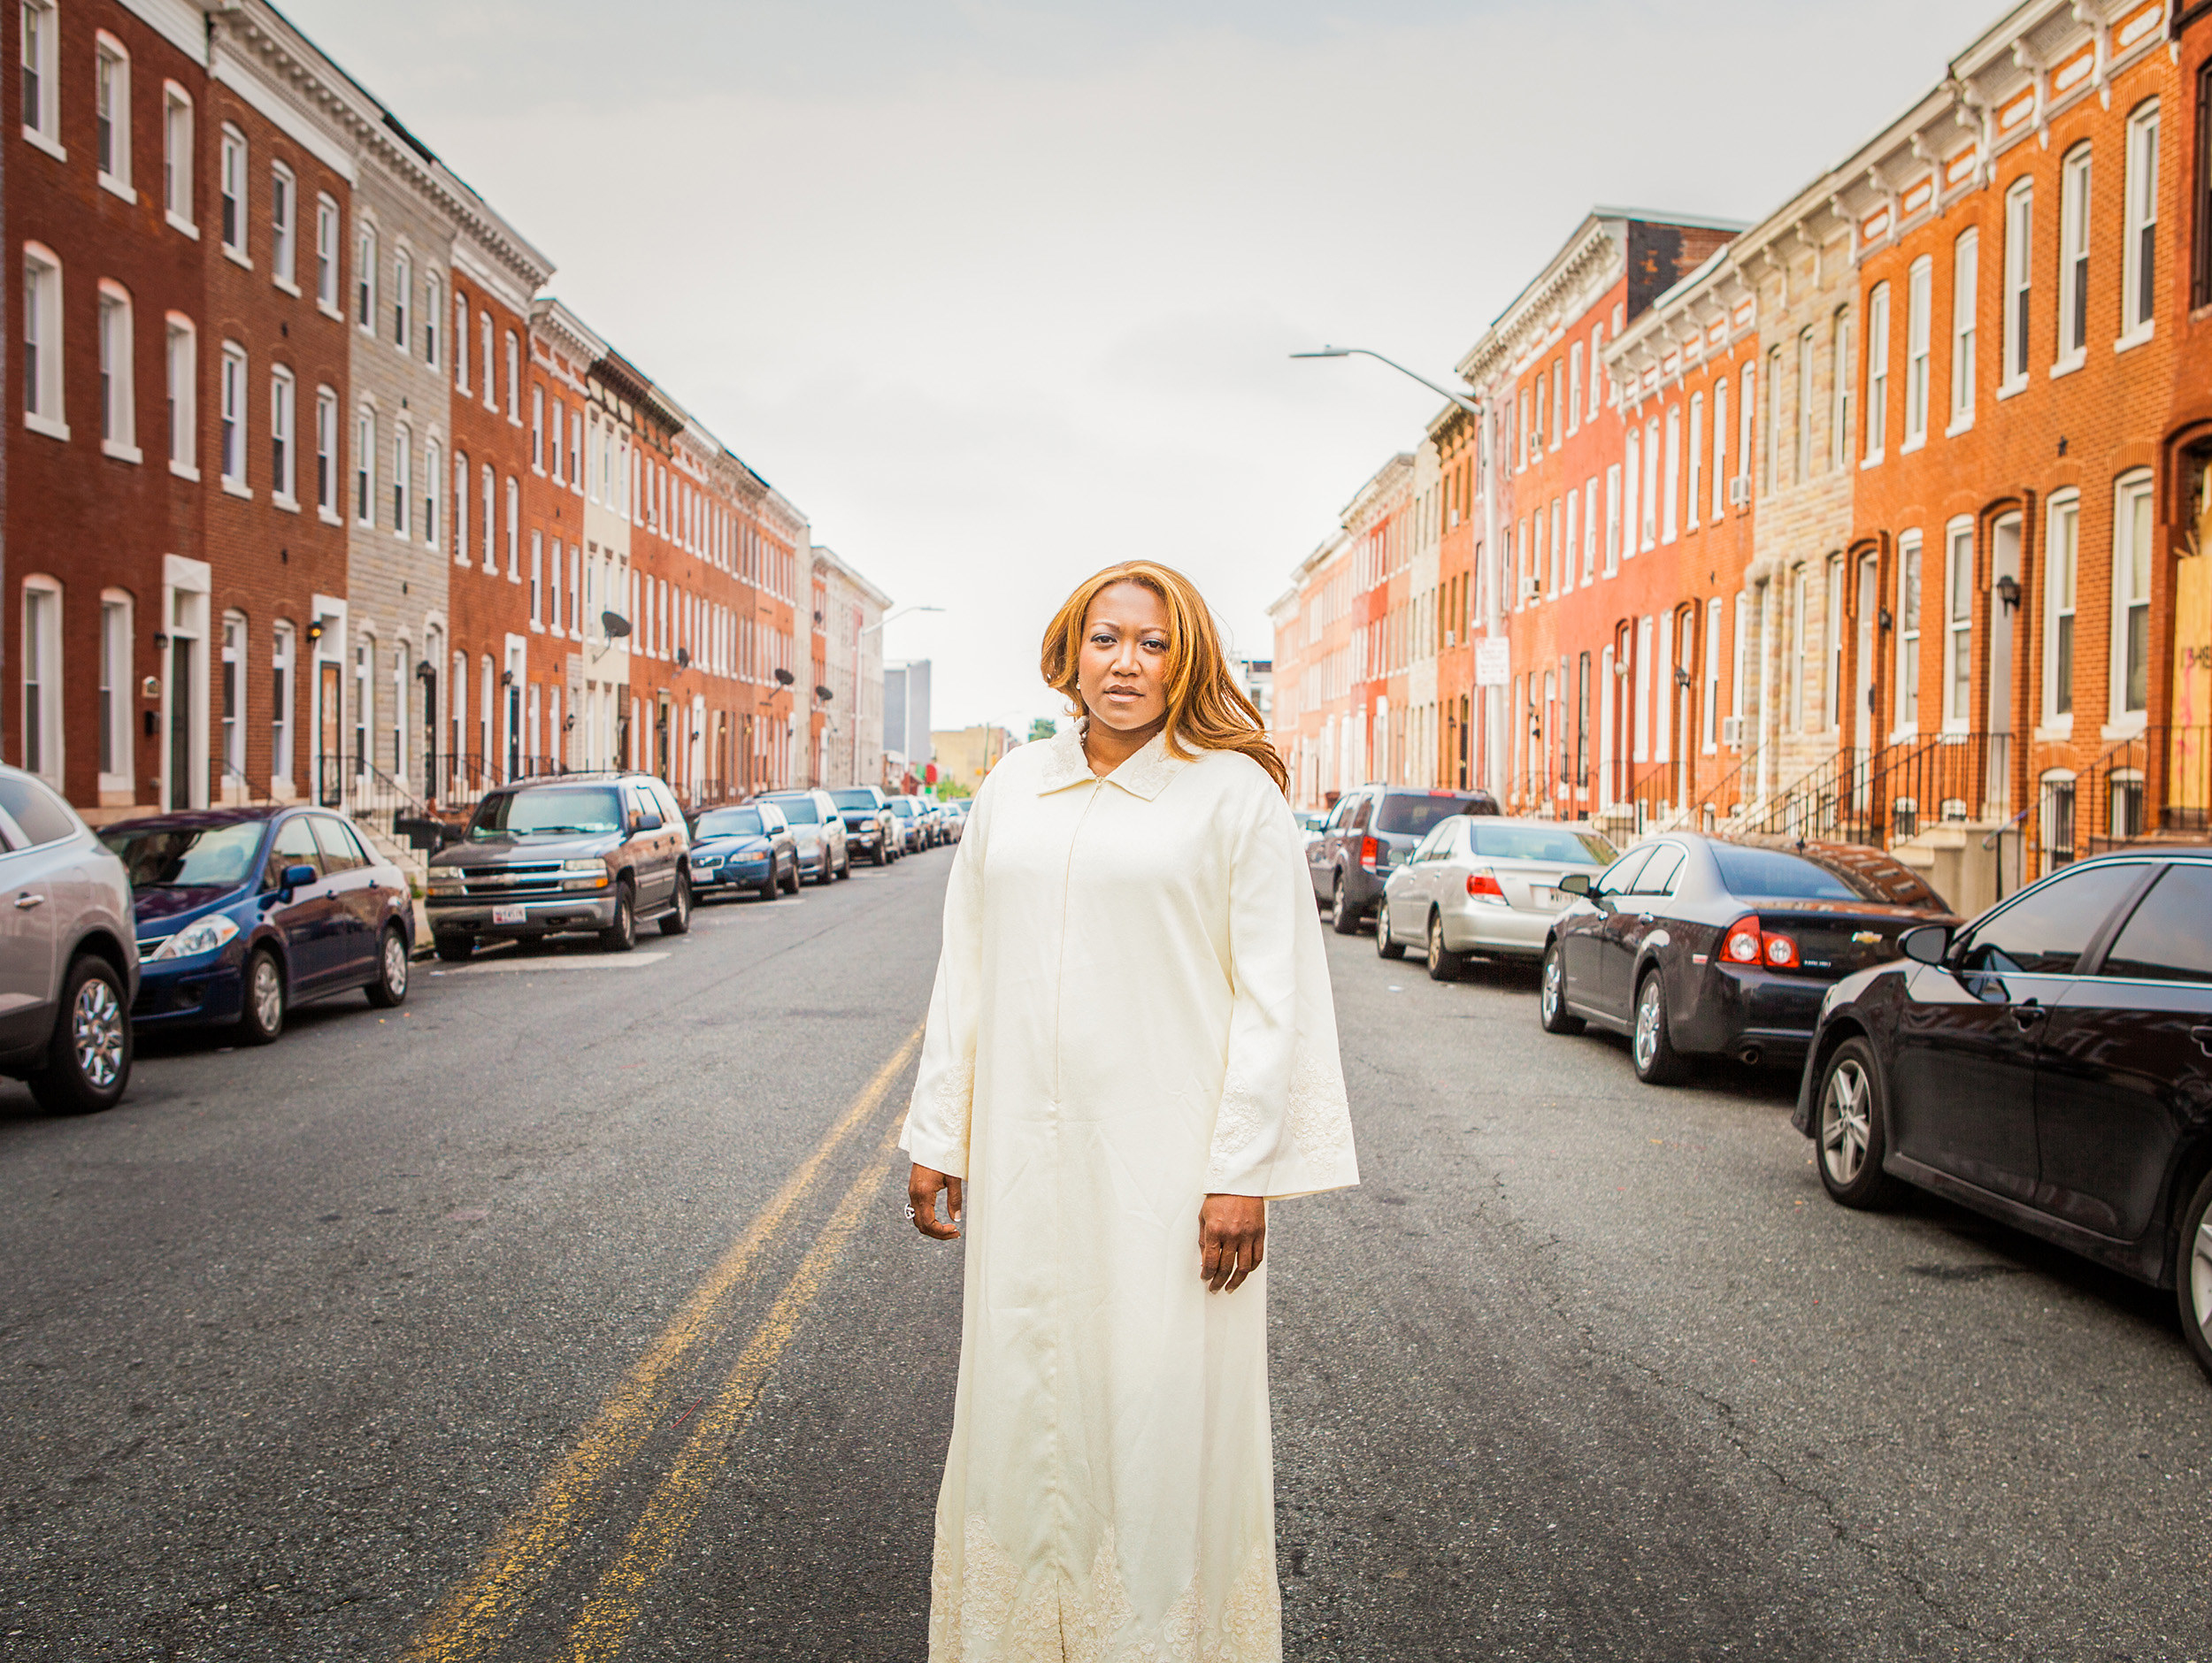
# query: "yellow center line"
470, 1618
615, 1605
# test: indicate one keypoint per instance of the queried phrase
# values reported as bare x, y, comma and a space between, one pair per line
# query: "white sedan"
1481, 884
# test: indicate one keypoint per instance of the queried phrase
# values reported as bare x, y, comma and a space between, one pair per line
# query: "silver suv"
601, 853
68, 953
819, 828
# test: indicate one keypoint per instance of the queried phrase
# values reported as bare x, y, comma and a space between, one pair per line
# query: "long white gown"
1131, 1011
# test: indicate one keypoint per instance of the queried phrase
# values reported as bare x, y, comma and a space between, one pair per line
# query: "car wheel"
261, 1017
1650, 1047
1385, 947
88, 1060
1443, 963
880, 856
1551, 1000
845, 866
1343, 916
454, 949
390, 985
773, 882
621, 935
677, 920
2192, 1272
1852, 1126
791, 879
823, 875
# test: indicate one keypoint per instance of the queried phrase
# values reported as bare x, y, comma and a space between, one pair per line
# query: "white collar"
1146, 774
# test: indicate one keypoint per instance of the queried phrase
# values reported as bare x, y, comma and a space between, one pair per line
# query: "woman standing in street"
1131, 1050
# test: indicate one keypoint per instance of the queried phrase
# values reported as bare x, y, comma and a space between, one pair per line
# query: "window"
1966, 254
283, 228
42, 49
1597, 367
1919, 301
1877, 373
327, 254
559, 476
461, 505
233, 700
116, 770
112, 113
1800, 637
2132, 597
1770, 428
484, 339
1589, 545
283, 442
2046, 931
433, 471
364, 279
231, 180
487, 530
403, 479
1696, 491
1909, 630
1840, 370
280, 704
403, 288
2139, 256
1747, 408
460, 341
1632, 475
1958, 627
432, 311
118, 400
537, 429
183, 363
1720, 446
1574, 382
176, 155
514, 530
2060, 556
1650, 487
537, 580
1570, 542
1712, 676
327, 453
364, 465
231, 440
1613, 518
41, 676
1670, 516
576, 450
2073, 257
42, 338
2019, 278
2165, 940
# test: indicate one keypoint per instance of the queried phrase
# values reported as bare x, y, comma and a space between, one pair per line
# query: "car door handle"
1643, 917
25, 903
2027, 1013
2203, 1037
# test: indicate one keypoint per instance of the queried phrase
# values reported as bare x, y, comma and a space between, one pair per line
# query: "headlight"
583, 866
203, 936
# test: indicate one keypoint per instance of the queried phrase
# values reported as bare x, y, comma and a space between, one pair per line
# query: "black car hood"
159, 905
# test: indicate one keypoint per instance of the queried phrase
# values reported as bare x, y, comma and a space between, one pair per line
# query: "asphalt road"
569, 1312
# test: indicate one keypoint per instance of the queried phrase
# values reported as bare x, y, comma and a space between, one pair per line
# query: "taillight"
1482, 885
1746, 942
1367, 853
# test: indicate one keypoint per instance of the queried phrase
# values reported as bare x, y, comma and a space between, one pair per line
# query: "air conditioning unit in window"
1740, 490
1732, 731
1531, 589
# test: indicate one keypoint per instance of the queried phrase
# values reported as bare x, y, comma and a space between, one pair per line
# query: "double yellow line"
472, 1619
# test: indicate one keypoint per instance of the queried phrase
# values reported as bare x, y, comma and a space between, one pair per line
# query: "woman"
1131, 1050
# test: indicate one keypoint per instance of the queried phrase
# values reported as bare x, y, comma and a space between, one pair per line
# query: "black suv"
1372, 829
593, 852
869, 829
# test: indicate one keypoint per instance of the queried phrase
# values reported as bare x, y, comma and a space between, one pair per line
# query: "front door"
180, 721
1870, 607
330, 707
1637, 914
1582, 948
2004, 563
311, 923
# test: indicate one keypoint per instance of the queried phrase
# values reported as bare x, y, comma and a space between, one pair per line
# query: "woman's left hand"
1232, 1240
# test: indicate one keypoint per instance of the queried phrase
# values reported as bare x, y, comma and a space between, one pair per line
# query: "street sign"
1493, 661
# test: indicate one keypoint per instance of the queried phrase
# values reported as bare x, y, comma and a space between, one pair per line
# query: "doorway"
181, 685
329, 707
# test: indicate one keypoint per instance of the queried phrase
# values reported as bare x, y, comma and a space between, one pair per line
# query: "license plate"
703, 871
510, 914
1551, 900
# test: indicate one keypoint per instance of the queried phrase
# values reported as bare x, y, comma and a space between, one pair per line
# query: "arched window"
433, 471
403, 477
364, 279
2138, 255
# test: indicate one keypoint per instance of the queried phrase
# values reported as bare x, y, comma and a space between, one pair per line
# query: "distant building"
966, 755
906, 736
850, 625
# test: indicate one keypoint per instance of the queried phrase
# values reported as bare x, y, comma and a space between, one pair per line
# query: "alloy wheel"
96, 1029
1847, 1127
1647, 1018
2200, 1277
267, 993
1552, 992
395, 964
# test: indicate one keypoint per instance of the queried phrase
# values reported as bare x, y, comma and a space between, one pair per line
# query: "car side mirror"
1576, 883
643, 822
297, 877
1926, 943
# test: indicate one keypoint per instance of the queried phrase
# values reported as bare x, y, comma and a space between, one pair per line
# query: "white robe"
1131, 1012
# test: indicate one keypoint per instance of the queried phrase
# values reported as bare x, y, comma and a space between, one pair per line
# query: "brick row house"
316, 494
1880, 518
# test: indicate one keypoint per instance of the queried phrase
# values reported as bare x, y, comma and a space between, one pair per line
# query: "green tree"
1043, 728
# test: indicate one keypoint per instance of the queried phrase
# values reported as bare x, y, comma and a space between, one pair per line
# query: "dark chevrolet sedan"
1706, 945
2049, 1064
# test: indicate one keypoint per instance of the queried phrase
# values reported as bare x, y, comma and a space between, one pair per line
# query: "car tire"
88, 1060
881, 858
772, 885
1650, 1044
1444, 964
1851, 1129
677, 920
2192, 1272
1551, 996
266, 1000
1385, 947
794, 877
389, 987
845, 867
621, 935
1343, 916
823, 876
454, 949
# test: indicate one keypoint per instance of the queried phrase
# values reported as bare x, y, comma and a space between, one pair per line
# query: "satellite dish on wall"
786, 677
614, 624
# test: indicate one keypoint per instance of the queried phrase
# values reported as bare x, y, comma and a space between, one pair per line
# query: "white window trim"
2147, 114
116, 183
286, 281
2051, 722
126, 449
177, 323
55, 424
233, 485
173, 97
327, 507
235, 253
2069, 358
1966, 338
1874, 411
122, 714
1959, 533
2120, 723
53, 733
287, 500
47, 136
332, 305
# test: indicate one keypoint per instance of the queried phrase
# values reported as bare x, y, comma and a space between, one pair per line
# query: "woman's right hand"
923, 1185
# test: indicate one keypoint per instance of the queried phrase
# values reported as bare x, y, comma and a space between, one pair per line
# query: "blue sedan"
749, 847
242, 913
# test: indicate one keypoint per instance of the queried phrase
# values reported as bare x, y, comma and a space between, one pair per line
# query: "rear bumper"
1736, 1008
1470, 926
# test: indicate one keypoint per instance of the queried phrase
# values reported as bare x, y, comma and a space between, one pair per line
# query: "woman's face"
1122, 669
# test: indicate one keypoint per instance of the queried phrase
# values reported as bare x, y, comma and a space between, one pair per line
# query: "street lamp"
1473, 407
901, 612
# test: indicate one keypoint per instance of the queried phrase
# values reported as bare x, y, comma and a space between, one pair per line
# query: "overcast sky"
1000, 293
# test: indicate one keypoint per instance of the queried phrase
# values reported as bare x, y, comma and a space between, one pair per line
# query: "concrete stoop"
1971, 863
412, 861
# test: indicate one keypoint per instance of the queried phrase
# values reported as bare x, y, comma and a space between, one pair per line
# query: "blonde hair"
1205, 706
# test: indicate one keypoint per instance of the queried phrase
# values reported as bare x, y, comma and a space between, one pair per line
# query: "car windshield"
1411, 815
187, 857
901, 808
1779, 876
854, 799
730, 822
798, 810
1541, 843
551, 811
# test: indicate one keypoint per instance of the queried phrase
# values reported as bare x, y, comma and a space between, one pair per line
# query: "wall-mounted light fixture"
2009, 591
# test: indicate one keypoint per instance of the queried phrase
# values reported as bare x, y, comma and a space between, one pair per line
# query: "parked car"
913, 833
950, 822
244, 913
68, 961
1484, 884
601, 853
1372, 829
749, 847
868, 822
2048, 1064
819, 831
1706, 945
